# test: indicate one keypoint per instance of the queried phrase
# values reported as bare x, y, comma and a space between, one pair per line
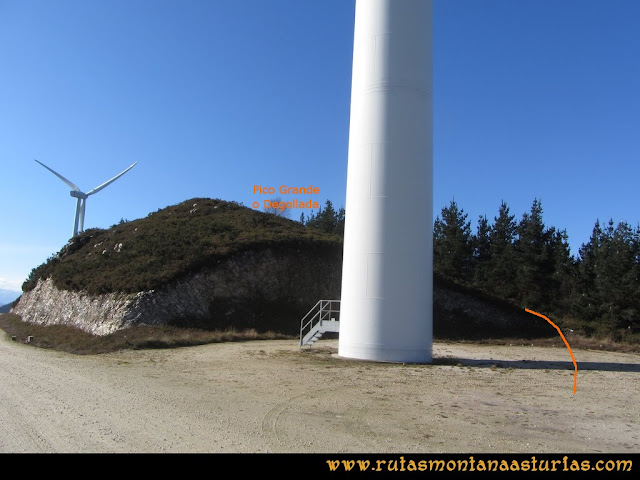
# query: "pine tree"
586, 300
482, 253
617, 278
452, 245
608, 284
564, 272
535, 261
340, 222
327, 219
503, 262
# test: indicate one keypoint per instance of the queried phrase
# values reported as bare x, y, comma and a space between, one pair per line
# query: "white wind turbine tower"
78, 225
386, 303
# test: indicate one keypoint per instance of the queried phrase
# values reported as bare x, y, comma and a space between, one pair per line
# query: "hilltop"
215, 264
203, 263
170, 244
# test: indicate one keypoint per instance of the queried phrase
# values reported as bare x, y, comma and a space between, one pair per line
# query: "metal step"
322, 319
319, 330
330, 326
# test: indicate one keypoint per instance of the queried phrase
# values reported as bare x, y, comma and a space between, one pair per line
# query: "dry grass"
574, 340
74, 340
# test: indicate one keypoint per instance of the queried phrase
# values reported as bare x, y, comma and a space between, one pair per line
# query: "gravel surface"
271, 396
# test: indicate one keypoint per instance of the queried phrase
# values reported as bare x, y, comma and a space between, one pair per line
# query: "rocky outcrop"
100, 315
266, 290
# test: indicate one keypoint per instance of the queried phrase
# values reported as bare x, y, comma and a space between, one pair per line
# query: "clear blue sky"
532, 99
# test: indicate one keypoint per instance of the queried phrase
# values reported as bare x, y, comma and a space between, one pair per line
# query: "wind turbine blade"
100, 187
68, 182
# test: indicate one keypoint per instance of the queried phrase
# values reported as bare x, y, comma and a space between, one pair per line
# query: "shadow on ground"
539, 364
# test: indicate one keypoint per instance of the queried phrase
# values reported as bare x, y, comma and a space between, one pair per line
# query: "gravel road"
271, 396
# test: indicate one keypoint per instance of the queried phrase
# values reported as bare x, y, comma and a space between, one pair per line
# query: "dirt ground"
272, 396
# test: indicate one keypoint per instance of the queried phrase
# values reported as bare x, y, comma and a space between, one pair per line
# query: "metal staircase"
322, 318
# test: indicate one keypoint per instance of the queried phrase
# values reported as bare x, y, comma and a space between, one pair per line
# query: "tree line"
327, 219
530, 265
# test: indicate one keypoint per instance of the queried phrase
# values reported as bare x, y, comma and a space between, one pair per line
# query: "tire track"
294, 424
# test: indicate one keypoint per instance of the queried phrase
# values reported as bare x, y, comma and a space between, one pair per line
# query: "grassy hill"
183, 239
169, 244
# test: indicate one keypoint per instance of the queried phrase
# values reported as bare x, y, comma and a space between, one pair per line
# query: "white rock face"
297, 278
242, 289
100, 315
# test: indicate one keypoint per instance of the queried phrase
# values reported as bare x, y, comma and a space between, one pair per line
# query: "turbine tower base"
387, 275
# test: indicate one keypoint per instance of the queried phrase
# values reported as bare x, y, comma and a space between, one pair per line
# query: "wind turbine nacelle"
81, 196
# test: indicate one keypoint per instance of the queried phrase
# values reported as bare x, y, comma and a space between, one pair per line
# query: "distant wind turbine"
78, 225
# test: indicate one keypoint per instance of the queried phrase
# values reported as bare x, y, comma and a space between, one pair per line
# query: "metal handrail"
324, 310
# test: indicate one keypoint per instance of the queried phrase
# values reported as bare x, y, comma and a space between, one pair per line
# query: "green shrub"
169, 244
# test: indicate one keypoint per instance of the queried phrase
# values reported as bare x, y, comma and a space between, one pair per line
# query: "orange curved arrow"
575, 373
